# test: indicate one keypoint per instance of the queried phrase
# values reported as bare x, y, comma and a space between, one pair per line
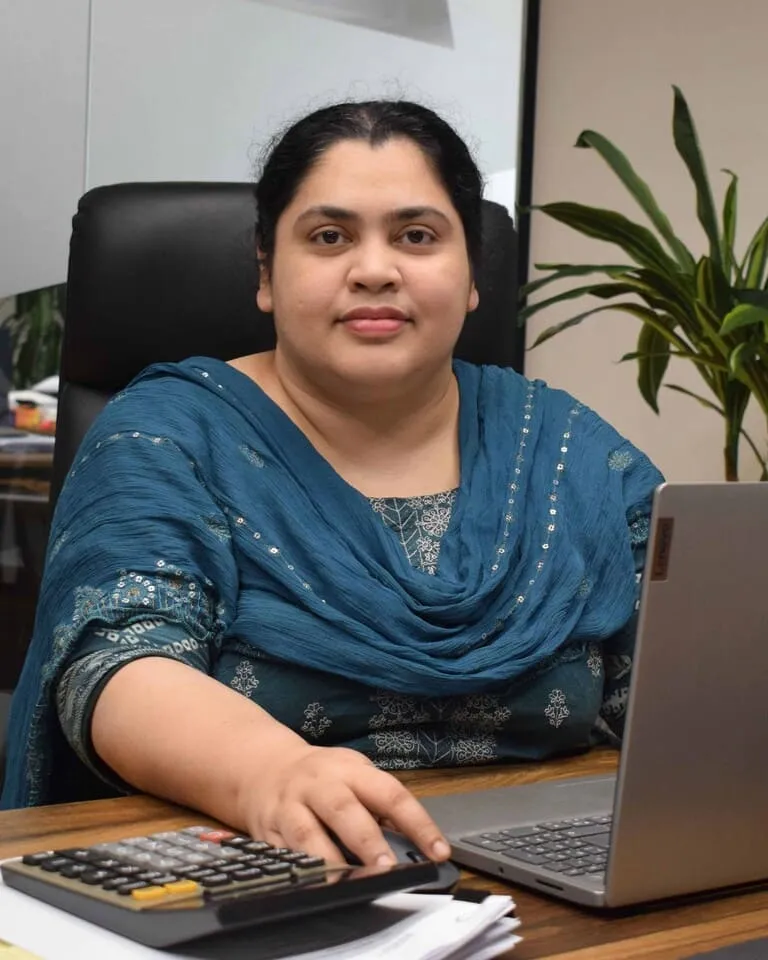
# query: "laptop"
688, 810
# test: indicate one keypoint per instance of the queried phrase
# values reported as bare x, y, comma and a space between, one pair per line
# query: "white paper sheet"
405, 926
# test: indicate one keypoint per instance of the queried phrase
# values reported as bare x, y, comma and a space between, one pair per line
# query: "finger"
339, 808
388, 799
303, 831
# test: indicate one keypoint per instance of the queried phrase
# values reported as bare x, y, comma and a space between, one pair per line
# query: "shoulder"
172, 400
555, 411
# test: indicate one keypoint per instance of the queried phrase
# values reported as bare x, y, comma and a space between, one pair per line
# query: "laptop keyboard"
573, 848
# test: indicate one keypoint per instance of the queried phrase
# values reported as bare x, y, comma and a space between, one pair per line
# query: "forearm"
172, 731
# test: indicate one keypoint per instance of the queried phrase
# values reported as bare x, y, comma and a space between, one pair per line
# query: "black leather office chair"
164, 271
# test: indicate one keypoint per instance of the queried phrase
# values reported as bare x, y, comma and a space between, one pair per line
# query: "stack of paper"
405, 926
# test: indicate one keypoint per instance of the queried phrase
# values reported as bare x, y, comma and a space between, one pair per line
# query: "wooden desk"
551, 928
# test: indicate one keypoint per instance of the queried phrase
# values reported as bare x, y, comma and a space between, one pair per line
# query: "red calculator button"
216, 836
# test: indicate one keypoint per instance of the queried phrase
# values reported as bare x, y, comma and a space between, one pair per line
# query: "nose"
374, 267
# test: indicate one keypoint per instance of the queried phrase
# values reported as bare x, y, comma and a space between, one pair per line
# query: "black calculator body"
168, 888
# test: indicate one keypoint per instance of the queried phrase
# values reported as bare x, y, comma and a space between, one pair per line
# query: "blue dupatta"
194, 498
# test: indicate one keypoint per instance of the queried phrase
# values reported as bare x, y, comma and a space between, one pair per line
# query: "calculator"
168, 888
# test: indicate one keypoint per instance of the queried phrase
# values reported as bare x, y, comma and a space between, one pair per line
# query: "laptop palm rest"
460, 815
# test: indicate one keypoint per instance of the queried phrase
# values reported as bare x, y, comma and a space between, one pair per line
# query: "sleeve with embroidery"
100, 654
618, 651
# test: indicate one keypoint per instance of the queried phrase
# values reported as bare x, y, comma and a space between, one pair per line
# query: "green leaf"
640, 190
636, 310
758, 298
653, 350
709, 404
744, 315
740, 355
712, 287
635, 240
756, 257
729, 223
684, 355
687, 143
713, 406
571, 294
563, 270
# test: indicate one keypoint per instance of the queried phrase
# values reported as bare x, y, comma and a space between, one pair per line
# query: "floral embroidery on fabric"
315, 721
252, 456
245, 680
620, 459
396, 709
557, 711
585, 588
455, 730
218, 528
639, 530
420, 524
595, 661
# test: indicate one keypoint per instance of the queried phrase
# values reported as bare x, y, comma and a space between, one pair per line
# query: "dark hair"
291, 156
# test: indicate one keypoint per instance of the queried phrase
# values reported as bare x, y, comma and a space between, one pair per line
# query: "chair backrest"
165, 271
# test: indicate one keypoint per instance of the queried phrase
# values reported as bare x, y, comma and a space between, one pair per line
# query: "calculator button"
161, 863
256, 846
165, 879
274, 869
76, 853
216, 880
200, 873
248, 873
196, 859
127, 870
238, 841
217, 836
37, 859
54, 864
74, 870
94, 877
183, 886
307, 862
149, 894
107, 863
114, 883
131, 885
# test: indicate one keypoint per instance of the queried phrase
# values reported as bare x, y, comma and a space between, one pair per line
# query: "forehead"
356, 175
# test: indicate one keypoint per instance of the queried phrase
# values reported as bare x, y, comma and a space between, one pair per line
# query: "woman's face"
370, 281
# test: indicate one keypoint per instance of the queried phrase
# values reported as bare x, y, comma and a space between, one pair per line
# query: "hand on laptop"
290, 801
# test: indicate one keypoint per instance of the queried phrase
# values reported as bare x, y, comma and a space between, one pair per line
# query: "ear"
474, 298
264, 299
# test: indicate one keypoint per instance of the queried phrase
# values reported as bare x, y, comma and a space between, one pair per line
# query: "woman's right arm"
175, 732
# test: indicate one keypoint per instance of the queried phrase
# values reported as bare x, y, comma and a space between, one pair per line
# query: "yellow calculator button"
149, 893
182, 886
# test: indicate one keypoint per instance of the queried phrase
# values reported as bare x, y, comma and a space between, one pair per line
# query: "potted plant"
36, 326
711, 309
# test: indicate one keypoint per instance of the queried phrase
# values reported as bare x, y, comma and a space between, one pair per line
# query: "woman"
270, 581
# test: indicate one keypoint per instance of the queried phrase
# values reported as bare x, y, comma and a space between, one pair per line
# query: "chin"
381, 366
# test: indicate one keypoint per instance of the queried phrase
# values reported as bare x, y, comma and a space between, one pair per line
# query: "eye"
327, 238
418, 237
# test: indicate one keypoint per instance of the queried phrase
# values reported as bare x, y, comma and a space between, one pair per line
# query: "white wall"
609, 65
190, 89
43, 68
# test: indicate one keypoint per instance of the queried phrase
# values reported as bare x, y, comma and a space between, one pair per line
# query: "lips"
374, 321
374, 313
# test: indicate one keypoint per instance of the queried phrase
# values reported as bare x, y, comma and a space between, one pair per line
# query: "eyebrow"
400, 215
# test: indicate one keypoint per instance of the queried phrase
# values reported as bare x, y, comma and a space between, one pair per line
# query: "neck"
376, 436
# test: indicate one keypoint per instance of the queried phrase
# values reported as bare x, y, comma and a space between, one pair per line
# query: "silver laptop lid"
692, 797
